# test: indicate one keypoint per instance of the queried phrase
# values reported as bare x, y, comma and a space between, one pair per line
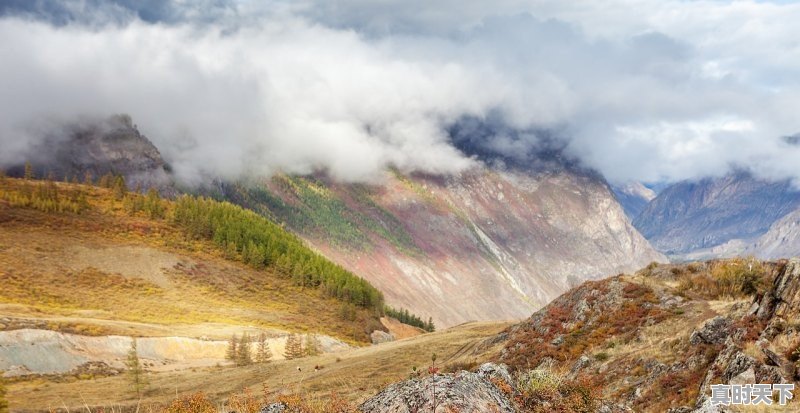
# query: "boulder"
379, 336
714, 331
464, 392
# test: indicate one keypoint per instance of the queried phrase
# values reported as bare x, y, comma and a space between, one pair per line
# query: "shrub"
195, 403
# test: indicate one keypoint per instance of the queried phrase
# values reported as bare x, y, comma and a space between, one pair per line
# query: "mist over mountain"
232, 88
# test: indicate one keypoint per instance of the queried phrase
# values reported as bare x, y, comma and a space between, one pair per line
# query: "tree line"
243, 234
240, 349
405, 317
261, 243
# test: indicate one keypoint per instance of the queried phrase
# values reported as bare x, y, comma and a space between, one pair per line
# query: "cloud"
646, 90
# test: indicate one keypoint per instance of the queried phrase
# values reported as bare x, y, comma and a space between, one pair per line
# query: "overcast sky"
655, 91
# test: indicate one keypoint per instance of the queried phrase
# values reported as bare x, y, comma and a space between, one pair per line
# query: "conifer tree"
294, 348
264, 353
136, 372
28, 171
119, 187
313, 346
244, 357
429, 326
233, 349
88, 179
153, 205
107, 180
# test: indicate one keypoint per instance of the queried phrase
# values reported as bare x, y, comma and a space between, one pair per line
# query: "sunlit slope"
90, 262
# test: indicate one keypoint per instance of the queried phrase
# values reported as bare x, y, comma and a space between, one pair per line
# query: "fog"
655, 91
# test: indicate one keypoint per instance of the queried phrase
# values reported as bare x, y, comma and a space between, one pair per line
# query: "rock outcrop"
97, 147
463, 392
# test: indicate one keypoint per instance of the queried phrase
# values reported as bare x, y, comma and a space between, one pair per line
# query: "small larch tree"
244, 357
313, 346
28, 171
136, 372
233, 349
263, 353
294, 347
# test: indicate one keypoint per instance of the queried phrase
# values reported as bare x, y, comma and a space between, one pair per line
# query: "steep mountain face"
634, 197
690, 216
489, 243
112, 145
781, 240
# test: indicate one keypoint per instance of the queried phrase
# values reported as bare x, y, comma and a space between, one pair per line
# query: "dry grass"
45, 275
354, 374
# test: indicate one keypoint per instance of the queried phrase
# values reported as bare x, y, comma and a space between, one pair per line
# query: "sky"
648, 90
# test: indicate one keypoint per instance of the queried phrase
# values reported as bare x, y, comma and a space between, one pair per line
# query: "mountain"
433, 243
97, 147
781, 240
690, 216
514, 224
634, 197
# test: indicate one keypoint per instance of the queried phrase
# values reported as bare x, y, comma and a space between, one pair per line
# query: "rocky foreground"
653, 342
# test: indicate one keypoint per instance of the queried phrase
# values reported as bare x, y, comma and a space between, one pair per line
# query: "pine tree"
233, 349
107, 180
264, 353
28, 171
313, 346
136, 373
119, 187
429, 326
153, 205
87, 178
294, 348
244, 357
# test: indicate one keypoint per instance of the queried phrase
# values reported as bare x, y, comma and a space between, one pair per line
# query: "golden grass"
355, 374
43, 279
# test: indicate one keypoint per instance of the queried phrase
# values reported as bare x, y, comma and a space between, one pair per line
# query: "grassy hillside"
85, 253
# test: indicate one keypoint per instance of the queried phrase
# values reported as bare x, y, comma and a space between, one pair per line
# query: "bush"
195, 403
544, 391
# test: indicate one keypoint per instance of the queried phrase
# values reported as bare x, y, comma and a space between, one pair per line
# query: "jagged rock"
274, 408
464, 392
784, 297
491, 372
579, 365
772, 358
379, 336
714, 331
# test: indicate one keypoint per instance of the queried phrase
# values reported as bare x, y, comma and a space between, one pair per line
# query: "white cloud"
649, 90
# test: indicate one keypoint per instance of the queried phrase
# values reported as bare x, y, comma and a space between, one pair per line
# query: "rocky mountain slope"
691, 216
433, 243
97, 147
634, 197
650, 342
514, 225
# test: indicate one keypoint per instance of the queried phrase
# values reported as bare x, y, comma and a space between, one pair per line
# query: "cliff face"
484, 244
690, 216
112, 145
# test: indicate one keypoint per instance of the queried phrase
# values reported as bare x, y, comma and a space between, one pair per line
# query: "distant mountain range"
730, 215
